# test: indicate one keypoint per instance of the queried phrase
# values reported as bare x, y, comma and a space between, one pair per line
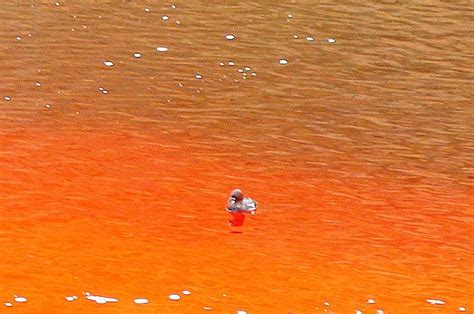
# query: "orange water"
360, 154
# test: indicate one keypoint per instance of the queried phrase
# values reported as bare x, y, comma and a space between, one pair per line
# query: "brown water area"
351, 124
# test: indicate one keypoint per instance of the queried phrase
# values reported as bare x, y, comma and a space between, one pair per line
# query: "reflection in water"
124, 126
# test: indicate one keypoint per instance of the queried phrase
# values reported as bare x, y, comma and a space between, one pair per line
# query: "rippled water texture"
124, 126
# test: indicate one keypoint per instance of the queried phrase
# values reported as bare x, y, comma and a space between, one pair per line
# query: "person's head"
237, 195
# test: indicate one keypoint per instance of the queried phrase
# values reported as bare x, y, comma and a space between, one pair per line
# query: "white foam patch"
174, 297
207, 308
147, 9
358, 312
435, 301
8, 304
309, 38
198, 76
141, 301
379, 311
462, 309
241, 312
331, 40
100, 299
18, 37
283, 61
231, 63
71, 298
109, 63
326, 303
137, 55
20, 299
371, 301
7, 98
186, 292
165, 17
38, 84
162, 49
230, 37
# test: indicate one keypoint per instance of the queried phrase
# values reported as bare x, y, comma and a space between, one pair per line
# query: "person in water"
238, 206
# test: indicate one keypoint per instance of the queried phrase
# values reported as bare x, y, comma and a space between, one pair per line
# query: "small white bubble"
241, 312
57, 4
290, 16
140, 301
240, 70
283, 61
186, 292
38, 84
174, 297
230, 37
207, 308
173, 6
137, 55
161, 49
295, 36
147, 9
358, 312
326, 303
309, 38
48, 106
198, 76
105, 91
8, 304
84, 26
254, 74
231, 63
379, 311
331, 40
165, 18
72, 29
71, 298
247, 69
221, 64
371, 301
435, 302
462, 309
180, 85
7, 98
178, 22
109, 63
18, 37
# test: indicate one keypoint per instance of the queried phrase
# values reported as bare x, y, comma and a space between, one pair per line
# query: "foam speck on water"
173, 6
221, 64
231, 63
326, 303
295, 36
186, 292
8, 304
358, 312
198, 76
240, 70
38, 84
230, 37
207, 308
174, 297
161, 49
137, 55
290, 16
147, 9
247, 69
435, 301
109, 63
379, 311
309, 38
47, 106
331, 40
241, 312
371, 301
20, 299
18, 37
165, 18
7, 98
178, 23
141, 301
283, 61
462, 309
